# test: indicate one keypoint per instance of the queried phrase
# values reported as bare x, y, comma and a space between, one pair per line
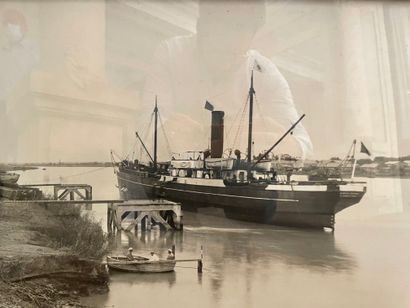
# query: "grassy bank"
50, 255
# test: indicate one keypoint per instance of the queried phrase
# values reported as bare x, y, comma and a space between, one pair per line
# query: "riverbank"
33, 166
50, 256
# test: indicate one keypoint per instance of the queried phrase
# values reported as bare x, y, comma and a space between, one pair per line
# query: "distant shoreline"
376, 172
31, 166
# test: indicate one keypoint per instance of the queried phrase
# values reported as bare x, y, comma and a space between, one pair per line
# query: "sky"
78, 79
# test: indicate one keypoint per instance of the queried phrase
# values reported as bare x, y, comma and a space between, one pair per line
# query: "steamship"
246, 189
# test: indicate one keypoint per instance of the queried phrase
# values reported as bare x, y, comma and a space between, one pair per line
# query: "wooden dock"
145, 214
81, 191
140, 213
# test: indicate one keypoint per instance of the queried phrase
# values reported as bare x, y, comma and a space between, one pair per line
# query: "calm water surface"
365, 263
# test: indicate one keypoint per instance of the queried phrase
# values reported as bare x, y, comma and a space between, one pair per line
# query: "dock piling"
146, 213
200, 261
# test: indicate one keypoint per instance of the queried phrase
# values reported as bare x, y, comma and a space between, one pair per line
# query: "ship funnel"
217, 134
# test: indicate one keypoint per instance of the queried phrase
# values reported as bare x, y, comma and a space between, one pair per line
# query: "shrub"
78, 232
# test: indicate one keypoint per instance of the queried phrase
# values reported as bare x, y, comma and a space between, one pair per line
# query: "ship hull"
288, 205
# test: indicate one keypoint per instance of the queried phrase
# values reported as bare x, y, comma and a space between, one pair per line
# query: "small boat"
219, 163
8, 178
140, 265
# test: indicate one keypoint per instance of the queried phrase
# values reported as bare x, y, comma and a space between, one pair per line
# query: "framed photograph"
203, 153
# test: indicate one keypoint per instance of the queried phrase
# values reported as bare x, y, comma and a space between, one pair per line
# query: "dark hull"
249, 203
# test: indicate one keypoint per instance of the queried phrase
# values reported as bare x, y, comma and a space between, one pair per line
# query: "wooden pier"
81, 191
145, 214
140, 213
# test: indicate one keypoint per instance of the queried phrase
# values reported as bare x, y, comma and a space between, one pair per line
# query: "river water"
365, 263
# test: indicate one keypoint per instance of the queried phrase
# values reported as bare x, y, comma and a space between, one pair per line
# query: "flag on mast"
363, 149
209, 106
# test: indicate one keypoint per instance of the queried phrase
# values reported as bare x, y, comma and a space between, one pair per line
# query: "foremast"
153, 159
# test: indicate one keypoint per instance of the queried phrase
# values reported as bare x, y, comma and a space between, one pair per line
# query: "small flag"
363, 149
209, 106
257, 67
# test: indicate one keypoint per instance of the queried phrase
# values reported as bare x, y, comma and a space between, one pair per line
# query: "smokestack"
217, 134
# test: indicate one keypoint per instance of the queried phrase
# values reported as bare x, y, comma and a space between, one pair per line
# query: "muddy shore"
49, 257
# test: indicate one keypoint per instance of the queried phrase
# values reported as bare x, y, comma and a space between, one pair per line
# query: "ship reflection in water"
243, 262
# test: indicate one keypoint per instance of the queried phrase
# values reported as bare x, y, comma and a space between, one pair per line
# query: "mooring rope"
77, 174
86, 172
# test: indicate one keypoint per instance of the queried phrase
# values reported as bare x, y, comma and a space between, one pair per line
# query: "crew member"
154, 256
170, 256
129, 255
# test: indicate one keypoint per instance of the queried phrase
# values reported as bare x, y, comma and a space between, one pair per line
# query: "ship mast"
251, 93
155, 134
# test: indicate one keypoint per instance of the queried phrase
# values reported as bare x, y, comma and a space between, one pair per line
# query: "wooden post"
108, 218
71, 195
149, 222
110, 227
200, 261
136, 225
143, 224
55, 192
117, 215
178, 220
173, 249
88, 196
199, 266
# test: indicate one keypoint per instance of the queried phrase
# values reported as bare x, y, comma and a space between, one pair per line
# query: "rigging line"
240, 111
258, 108
115, 154
77, 174
85, 172
169, 150
145, 135
132, 149
240, 130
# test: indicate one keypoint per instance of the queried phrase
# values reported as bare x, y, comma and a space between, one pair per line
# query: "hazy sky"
78, 78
